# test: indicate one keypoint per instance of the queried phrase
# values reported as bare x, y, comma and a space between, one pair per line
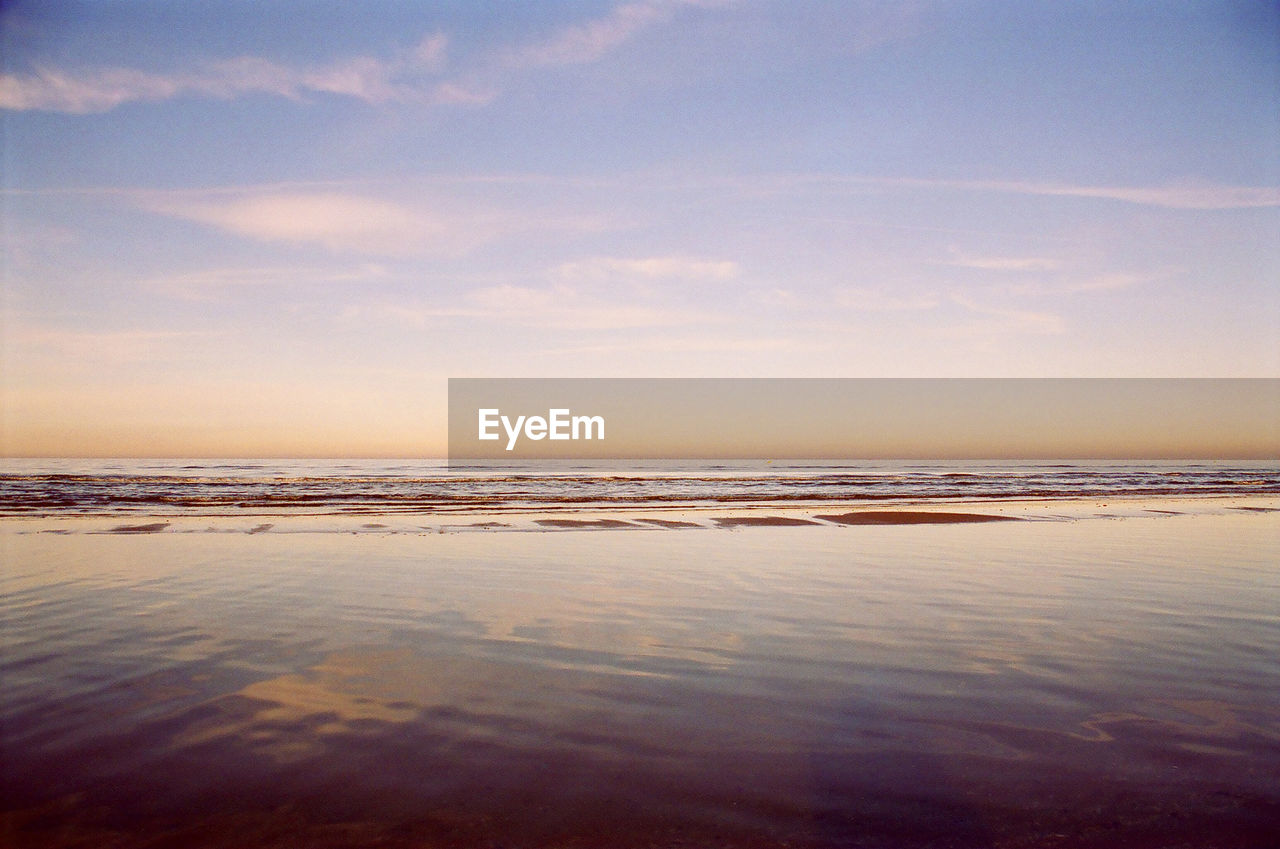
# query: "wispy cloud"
588, 42
340, 221
416, 315
371, 218
416, 75
1178, 196
1003, 263
409, 75
1187, 195
1112, 281
1080, 282
605, 269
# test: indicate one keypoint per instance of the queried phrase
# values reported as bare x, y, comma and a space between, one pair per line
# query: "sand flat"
959, 684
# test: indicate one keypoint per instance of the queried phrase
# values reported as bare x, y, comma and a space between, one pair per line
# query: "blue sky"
277, 228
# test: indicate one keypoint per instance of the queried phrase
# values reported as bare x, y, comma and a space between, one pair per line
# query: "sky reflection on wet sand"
976, 683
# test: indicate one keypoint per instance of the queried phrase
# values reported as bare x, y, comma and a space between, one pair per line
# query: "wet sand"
648, 517
911, 517
584, 524
1094, 675
762, 522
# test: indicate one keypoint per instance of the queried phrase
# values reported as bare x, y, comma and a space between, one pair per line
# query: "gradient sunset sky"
276, 228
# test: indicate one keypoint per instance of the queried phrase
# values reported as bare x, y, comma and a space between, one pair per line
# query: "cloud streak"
1003, 263
589, 42
366, 220
1189, 195
337, 221
605, 269
414, 76
405, 76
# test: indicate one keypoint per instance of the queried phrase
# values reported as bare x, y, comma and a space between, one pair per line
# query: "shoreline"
651, 517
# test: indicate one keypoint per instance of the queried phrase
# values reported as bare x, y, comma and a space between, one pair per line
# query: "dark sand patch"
911, 517
152, 528
264, 527
373, 525
1167, 512
669, 523
761, 522
1259, 509
449, 528
585, 523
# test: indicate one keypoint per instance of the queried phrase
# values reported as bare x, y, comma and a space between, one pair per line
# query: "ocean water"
210, 487
1094, 680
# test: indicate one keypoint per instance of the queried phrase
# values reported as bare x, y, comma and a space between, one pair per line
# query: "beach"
1086, 672
639, 424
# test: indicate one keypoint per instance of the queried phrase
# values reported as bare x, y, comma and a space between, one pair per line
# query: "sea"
219, 653
185, 487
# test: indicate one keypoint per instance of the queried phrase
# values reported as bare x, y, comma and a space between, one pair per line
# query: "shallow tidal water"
1103, 682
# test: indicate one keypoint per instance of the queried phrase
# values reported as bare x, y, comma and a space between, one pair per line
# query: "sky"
278, 228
